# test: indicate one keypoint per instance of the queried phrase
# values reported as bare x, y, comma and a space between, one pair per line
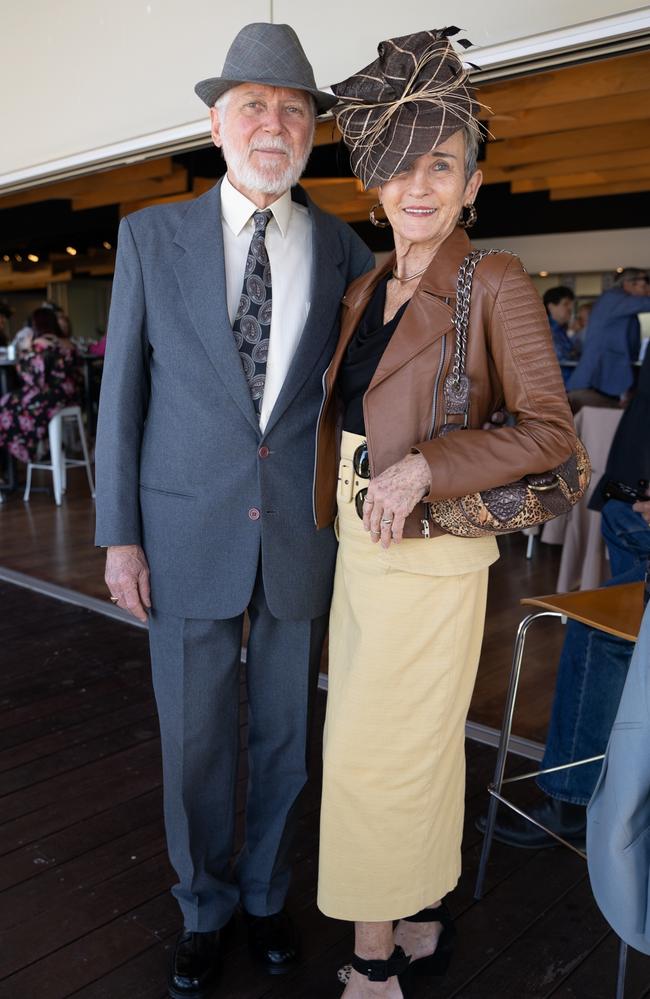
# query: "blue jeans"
592, 670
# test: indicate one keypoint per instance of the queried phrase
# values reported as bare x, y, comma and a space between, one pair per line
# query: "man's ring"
387, 522
114, 600
376, 532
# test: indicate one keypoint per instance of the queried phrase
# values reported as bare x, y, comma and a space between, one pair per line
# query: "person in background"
558, 303
593, 665
578, 326
604, 375
47, 368
65, 326
6, 312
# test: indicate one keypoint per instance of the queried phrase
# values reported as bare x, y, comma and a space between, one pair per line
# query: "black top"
363, 355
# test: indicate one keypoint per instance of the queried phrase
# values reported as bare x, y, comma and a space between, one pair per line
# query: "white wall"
79, 76
577, 252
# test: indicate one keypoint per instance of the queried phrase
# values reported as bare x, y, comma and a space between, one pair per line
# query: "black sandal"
438, 962
398, 964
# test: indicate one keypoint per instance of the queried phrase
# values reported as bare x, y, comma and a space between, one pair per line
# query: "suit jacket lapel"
199, 268
327, 286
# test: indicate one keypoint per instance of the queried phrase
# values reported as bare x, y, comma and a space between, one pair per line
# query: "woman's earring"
378, 222
468, 216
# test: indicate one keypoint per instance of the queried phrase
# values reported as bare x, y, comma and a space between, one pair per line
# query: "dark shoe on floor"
272, 942
195, 965
567, 820
438, 962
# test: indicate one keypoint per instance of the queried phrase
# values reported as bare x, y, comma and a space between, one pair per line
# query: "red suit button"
264, 451
254, 513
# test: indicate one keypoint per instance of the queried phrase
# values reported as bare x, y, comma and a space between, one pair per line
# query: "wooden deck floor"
84, 904
56, 545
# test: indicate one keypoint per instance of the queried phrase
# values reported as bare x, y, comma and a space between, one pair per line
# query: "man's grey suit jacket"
178, 463
618, 815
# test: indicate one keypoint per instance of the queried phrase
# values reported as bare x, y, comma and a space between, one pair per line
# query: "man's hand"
392, 496
643, 507
127, 577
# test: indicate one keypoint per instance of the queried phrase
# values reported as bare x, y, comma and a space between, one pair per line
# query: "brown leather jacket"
510, 361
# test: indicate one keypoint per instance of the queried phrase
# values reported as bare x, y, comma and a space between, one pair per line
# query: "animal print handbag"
529, 501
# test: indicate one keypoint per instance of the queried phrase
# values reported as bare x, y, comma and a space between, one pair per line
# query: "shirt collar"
237, 209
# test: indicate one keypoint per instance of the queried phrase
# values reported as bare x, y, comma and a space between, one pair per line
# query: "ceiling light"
18, 257
107, 245
32, 257
71, 250
543, 273
6, 258
619, 270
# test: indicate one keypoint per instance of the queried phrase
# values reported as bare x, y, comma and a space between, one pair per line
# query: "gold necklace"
411, 277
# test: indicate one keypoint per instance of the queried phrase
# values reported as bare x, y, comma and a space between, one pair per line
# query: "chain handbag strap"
457, 383
461, 314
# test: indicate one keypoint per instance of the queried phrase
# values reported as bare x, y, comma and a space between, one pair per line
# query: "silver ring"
114, 600
376, 532
369, 501
388, 522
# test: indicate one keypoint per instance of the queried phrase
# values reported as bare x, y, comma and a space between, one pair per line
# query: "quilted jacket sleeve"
521, 348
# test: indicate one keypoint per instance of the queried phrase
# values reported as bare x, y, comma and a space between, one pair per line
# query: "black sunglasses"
361, 465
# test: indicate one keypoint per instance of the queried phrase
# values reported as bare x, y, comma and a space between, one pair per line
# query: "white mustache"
277, 145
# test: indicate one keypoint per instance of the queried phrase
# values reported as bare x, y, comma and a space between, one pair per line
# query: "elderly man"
223, 319
604, 373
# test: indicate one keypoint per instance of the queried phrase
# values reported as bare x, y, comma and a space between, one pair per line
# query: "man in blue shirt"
558, 303
604, 374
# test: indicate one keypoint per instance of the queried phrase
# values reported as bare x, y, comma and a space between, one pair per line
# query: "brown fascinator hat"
404, 104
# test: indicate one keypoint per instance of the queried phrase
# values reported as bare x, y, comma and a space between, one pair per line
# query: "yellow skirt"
406, 627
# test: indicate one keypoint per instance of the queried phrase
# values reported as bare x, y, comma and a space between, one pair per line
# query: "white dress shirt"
289, 247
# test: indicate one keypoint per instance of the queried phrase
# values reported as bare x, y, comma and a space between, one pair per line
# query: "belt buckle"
345, 489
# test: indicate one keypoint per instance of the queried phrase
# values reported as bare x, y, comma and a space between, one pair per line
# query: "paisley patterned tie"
252, 325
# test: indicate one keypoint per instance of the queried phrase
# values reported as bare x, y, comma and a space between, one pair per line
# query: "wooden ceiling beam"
606, 78
566, 117
574, 164
597, 191
200, 186
174, 183
30, 280
539, 148
80, 186
588, 178
326, 133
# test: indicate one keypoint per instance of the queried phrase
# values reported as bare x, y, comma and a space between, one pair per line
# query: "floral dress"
50, 380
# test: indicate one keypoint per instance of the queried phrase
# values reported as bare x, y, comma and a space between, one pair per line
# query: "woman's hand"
392, 496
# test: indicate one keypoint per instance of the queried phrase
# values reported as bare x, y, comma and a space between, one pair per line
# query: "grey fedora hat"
270, 54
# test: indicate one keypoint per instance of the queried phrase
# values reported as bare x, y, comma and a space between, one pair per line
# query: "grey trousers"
196, 676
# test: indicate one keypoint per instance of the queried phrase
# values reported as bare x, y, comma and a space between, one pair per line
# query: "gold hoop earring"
468, 216
375, 221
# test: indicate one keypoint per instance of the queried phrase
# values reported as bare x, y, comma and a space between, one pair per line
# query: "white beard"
269, 180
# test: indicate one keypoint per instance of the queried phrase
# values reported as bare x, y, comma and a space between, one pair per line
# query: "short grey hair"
472, 139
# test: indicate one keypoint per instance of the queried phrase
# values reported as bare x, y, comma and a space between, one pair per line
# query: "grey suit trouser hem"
196, 674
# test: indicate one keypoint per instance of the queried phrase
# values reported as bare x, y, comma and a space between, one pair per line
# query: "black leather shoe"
272, 942
195, 965
567, 820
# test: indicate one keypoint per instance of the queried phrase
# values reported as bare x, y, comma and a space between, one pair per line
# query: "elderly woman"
409, 600
47, 367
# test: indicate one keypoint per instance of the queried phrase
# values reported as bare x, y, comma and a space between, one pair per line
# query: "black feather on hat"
404, 104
